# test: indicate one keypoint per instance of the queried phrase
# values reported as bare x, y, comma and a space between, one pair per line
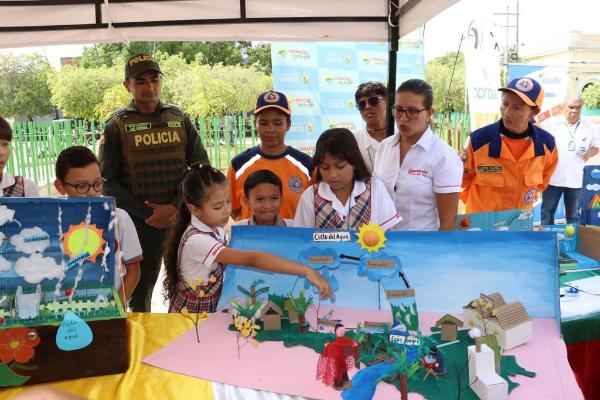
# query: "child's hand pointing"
321, 283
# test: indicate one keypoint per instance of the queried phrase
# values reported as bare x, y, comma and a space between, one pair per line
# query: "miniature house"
510, 322
484, 380
271, 317
449, 325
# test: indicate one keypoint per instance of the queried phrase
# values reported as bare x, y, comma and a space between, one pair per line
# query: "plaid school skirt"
188, 297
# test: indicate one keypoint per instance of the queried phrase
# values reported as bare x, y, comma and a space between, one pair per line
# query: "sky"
540, 20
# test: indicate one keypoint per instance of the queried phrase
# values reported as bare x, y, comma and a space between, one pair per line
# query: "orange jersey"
293, 167
495, 180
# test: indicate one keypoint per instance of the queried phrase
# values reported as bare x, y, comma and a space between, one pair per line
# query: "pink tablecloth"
274, 368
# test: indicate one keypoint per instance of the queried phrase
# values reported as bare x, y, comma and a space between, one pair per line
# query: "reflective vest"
153, 152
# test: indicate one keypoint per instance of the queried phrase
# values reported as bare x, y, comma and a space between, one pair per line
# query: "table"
582, 337
150, 332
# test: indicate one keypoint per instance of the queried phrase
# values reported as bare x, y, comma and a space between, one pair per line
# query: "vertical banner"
553, 80
482, 76
320, 78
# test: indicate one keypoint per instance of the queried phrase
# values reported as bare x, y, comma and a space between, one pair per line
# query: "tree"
24, 90
78, 92
260, 56
438, 72
591, 95
211, 53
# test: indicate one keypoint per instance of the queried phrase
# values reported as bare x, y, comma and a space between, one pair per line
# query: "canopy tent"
46, 22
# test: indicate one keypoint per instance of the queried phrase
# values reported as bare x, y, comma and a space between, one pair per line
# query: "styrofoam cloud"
595, 187
596, 173
6, 215
36, 267
31, 240
5, 265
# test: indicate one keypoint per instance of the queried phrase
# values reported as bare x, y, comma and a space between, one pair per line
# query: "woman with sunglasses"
371, 101
421, 172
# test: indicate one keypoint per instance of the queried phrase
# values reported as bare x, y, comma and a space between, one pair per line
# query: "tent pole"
393, 37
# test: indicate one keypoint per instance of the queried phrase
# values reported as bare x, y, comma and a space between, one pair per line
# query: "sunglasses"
373, 101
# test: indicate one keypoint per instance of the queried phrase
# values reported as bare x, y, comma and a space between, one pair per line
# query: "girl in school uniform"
345, 195
12, 186
196, 249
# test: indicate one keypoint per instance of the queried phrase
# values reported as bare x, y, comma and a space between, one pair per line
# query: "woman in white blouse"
422, 174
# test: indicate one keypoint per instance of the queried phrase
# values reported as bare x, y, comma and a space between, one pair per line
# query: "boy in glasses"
12, 186
78, 175
371, 101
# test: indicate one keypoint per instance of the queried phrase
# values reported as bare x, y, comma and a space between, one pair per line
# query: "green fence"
36, 145
453, 128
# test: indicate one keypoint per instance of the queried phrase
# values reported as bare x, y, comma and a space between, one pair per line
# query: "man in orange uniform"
507, 164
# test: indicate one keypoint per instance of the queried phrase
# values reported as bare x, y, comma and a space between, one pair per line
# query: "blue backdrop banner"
320, 79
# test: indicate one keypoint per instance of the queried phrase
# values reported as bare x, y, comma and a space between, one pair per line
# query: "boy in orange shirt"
294, 168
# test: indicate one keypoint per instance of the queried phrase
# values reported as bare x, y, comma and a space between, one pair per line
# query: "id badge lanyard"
572, 135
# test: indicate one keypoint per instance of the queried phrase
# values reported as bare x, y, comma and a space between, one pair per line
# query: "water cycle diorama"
58, 303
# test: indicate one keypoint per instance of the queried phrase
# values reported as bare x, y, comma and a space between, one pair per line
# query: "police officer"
145, 150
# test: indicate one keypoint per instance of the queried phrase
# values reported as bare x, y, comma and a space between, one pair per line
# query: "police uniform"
142, 158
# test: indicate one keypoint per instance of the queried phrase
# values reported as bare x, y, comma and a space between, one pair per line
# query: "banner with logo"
482, 76
320, 78
553, 80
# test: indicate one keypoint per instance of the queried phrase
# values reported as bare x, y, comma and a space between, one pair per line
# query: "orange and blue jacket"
494, 180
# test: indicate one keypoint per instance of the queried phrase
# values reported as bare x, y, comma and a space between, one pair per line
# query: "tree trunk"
301, 323
497, 364
403, 387
252, 295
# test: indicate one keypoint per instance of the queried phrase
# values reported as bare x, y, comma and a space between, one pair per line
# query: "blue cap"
528, 89
272, 99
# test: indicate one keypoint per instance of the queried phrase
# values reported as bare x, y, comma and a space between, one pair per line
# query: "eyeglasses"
411, 113
84, 187
373, 101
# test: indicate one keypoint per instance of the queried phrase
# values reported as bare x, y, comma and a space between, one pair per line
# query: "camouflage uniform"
142, 158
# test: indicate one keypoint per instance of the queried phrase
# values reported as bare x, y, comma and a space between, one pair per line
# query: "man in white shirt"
371, 101
577, 141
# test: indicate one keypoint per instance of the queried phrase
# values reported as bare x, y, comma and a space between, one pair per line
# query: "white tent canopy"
48, 22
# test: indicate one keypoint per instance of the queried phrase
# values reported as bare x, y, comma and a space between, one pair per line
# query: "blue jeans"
550, 199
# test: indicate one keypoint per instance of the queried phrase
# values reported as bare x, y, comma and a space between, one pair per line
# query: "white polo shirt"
569, 171
383, 211
430, 167
30, 187
198, 257
129, 248
367, 146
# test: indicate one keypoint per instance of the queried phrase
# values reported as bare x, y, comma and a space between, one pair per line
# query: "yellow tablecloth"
147, 334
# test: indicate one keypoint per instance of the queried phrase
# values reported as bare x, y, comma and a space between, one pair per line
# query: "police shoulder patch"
175, 109
120, 113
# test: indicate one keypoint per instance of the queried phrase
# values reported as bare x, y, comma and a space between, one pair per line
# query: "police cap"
139, 64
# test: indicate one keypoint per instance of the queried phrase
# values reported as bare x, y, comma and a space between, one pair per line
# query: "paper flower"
246, 327
17, 344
